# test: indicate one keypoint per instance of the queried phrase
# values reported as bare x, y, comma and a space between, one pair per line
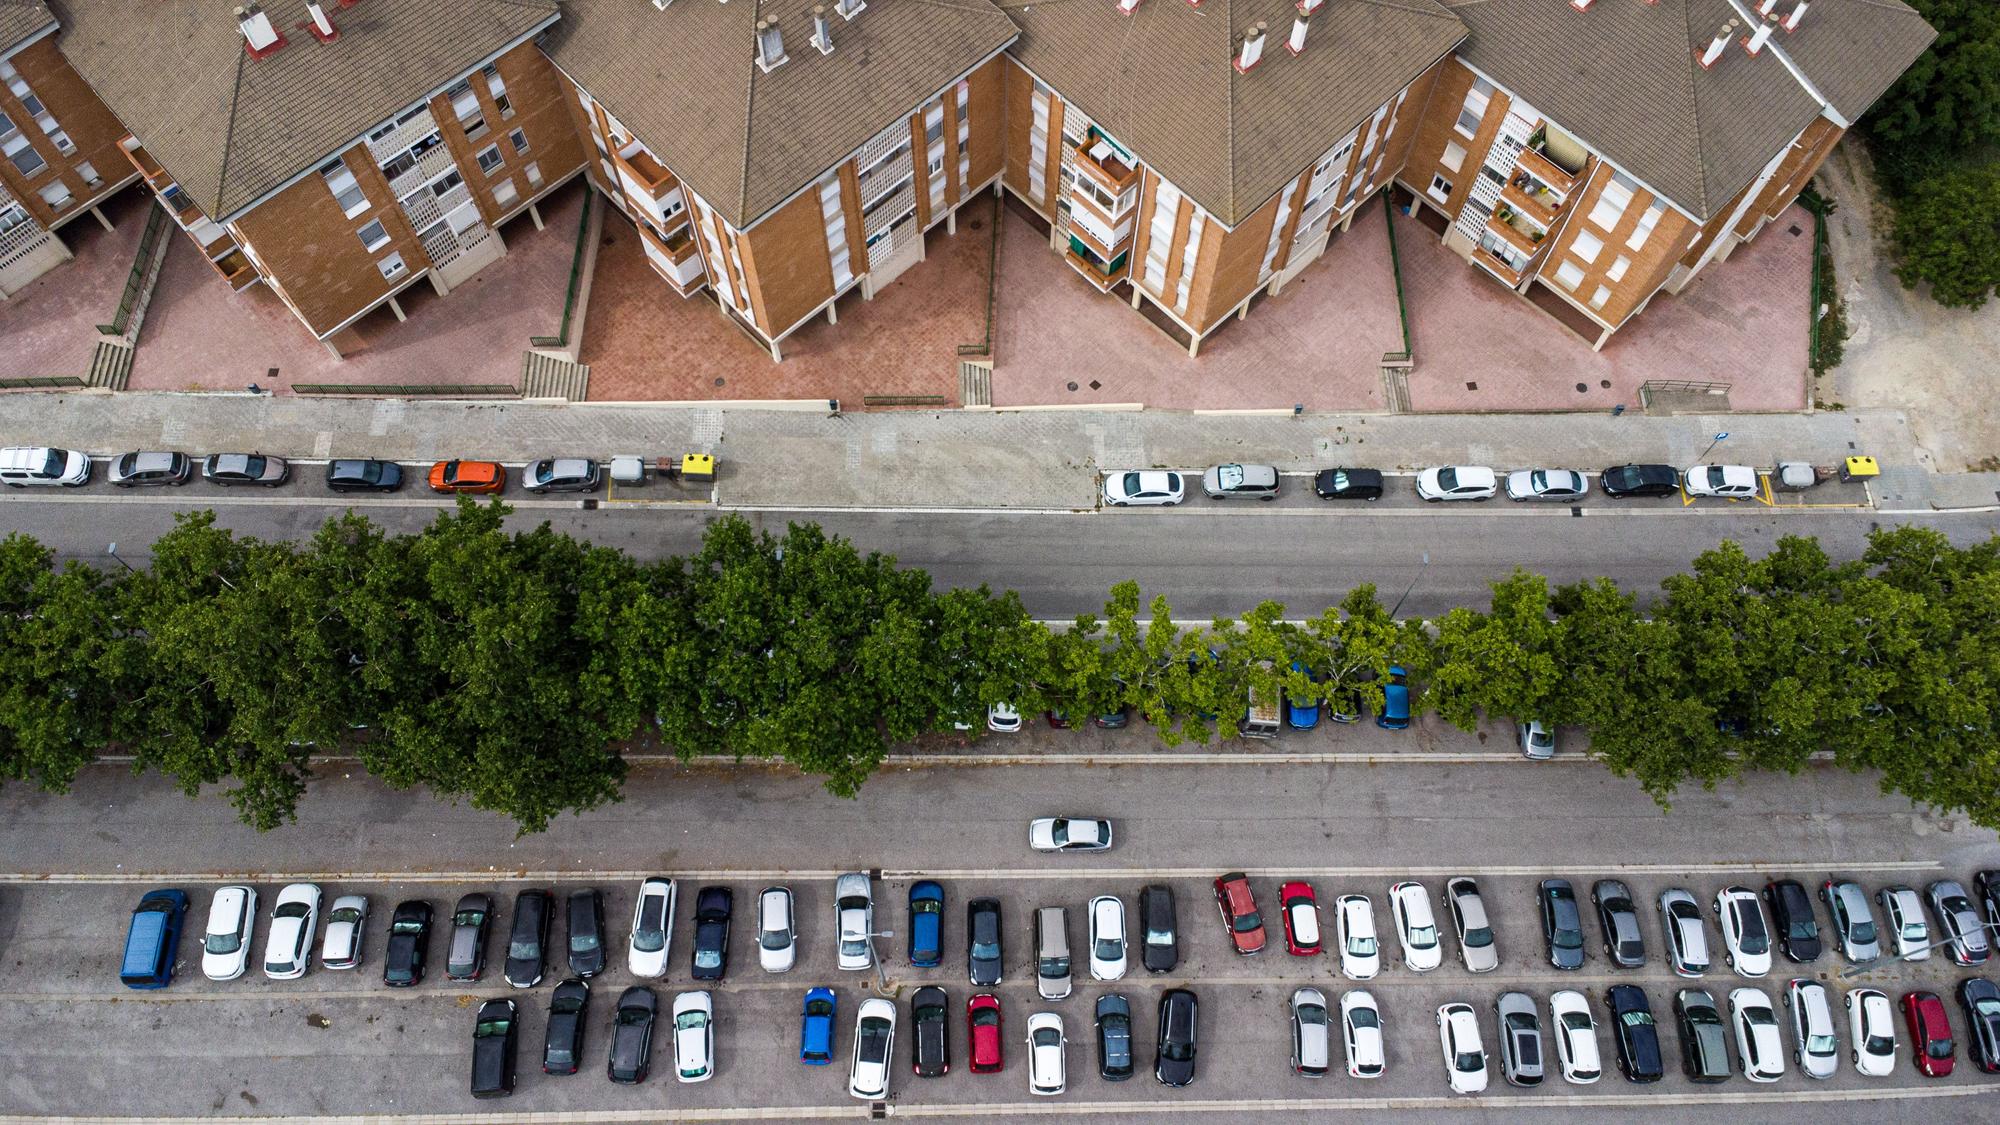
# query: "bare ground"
1905, 351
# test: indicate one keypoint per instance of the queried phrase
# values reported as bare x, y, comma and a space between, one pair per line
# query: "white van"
23, 465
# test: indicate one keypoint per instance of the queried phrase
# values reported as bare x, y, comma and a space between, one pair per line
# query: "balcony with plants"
1518, 228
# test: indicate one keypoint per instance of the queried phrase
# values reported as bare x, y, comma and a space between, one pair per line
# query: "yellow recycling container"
1859, 468
698, 468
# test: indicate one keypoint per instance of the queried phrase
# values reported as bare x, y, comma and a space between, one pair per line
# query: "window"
1570, 275
18, 149
1454, 155
174, 197
465, 106
1440, 189
489, 159
346, 191
89, 173
1474, 110
519, 139
56, 194
374, 236
391, 266
1587, 246
1646, 223
505, 194
1611, 204
1598, 299
498, 88
1618, 268
534, 171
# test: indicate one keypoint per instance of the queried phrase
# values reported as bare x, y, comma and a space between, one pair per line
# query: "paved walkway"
947, 459
50, 328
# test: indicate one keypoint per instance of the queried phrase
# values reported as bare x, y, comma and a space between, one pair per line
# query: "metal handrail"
1396, 266
985, 346
561, 339
149, 239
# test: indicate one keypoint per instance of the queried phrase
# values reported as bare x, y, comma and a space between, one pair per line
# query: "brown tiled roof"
1623, 77
20, 19
230, 128
1162, 81
686, 81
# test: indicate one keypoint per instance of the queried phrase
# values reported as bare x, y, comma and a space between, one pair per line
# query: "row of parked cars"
1165, 487
22, 466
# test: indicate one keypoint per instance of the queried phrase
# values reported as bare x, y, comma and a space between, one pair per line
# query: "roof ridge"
229, 131
1431, 8
749, 115
1694, 105
1228, 25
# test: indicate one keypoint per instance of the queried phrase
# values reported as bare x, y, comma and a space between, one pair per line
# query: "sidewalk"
1008, 459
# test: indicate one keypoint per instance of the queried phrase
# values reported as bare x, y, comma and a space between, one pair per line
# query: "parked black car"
1160, 948
711, 932
364, 476
409, 943
527, 945
1986, 888
1348, 484
1792, 917
1633, 1028
465, 957
1173, 1062
1562, 923
1114, 1037
1704, 1040
1621, 481
493, 1038
632, 1036
982, 952
569, 1011
1981, 1000
586, 932
930, 1047
1623, 942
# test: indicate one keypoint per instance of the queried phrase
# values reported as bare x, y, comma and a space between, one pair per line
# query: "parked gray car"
1520, 1027
1224, 482
244, 468
1467, 908
1620, 919
128, 470
465, 958
1958, 922
1853, 923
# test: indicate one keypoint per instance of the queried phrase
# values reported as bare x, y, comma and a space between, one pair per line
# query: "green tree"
66, 665
1947, 235
1503, 663
1950, 97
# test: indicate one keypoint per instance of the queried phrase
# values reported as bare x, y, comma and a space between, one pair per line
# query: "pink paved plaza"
50, 327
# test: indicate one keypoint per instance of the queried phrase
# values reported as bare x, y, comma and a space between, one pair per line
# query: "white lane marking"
495, 875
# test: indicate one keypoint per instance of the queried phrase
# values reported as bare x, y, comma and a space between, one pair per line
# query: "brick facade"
93, 167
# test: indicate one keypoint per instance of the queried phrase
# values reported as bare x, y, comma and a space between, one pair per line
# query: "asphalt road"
1207, 558
339, 1043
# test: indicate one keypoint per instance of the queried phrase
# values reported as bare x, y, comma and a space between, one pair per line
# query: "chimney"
770, 45
1253, 48
848, 9
1580, 5
1716, 45
1754, 42
259, 38
1127, 7
1310, 6
822, 36
1764, 7
1792, 21
1297, 43
321, 27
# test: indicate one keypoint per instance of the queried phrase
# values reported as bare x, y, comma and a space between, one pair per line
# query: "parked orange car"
468, 476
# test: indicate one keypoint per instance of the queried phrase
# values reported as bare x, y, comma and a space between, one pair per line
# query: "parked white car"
1416, 927
1069, 834
1815, 1044
1908, 935
1731, 481
1758, 1050
1361, 1030
1457, 482
1004, 718
1871, 1032
1107, 938
1047, 1072
1467, 907
1575, 1031
288, 945
1146, 488
854, 918
225, 949
777, 939
652, 928
874, 1045
1464, 1054
1746, 936
1354, 925
340, 947
694, 1036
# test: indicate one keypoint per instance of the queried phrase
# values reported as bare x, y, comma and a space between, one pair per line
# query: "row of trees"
512, 669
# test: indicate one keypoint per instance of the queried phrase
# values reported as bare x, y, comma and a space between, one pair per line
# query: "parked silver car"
1467, 908
144, 467
1225, 482
1853, 923
1687, 941
244, 468
1958, 923
1520, 1026
1560, 486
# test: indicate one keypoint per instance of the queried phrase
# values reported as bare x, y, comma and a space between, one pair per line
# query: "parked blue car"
1303, 714
816, 1027
152, 942
1395, 700
926, 924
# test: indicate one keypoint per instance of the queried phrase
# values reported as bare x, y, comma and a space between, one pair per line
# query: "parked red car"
1239, 912
1930, 1033
1301, 913
982, 1018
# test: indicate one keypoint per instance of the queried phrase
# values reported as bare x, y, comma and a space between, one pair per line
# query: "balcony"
647, 176
1518, 228
156, 176
1105, 163
1497, 266
674, 258
1093, 268
1556, 162
236, 269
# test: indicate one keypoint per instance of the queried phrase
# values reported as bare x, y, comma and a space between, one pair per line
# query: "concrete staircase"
548, 376
110, 364
111, 360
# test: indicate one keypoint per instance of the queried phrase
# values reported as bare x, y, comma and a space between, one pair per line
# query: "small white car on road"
1361, 1031
1815, 1044
1730, 481
1871, 1032
1416, 927
1575, 1032
1146, 488
1069, 834
1354, 926
340, 946
1746, 936
694, 1036
874, 1046
1464, 1054
1457, 482
225, 949
652, 928
1047, 1072
777, 939
854, 918
294, 918
1758, 1050
1107, 938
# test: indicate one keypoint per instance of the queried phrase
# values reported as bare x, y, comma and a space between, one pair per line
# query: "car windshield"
689, 1021
708, 958
1881, 1044
1248, 921
1231, 476
1447, 479
1055, 966
776, 939
1362, 1018
1569, 939
1576, 1021
1361, 946
545, 472
521, 950
1760, 1017
650, 936
290, 910
1423, 937
1863, 933
1131, 484
344, 914
1177, 1051
1802, 931
253, 466
1914, 931
585, 941
986, 950
406, 926
468, 918
1470, 1062
1940, 1048
487, 1029
851, 947
986, 1017
1312, 1015
1047, 1037
1157, 936
223, 943
1110, 949
366, 471
1819, 1044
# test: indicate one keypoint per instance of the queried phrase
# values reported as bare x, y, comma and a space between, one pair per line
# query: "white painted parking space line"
991, 874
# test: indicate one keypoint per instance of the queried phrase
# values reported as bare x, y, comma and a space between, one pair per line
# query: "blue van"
153, 942
926, 924
1395, 700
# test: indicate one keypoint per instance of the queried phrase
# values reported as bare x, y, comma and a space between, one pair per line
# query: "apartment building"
1187, 156
777, 154
1590, 154
337, 152
60, 145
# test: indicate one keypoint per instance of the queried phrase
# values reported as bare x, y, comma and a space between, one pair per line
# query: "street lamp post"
112, 550
1413, 584
1869, 966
